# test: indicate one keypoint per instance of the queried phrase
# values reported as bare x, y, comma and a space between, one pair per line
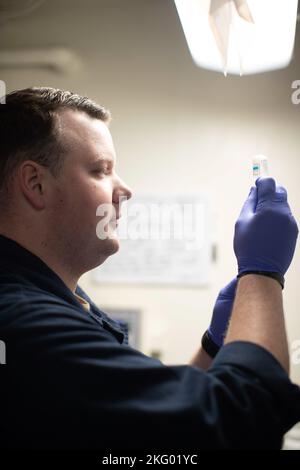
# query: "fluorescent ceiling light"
58, 59
221, 35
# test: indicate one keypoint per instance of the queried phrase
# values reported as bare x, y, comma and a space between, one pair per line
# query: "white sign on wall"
164, 239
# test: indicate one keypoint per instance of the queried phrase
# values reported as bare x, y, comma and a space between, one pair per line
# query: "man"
71, 381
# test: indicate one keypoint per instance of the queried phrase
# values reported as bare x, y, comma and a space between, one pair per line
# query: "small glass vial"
260, 166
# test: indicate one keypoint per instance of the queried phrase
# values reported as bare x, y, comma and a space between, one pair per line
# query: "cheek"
92, 203
80, 196
87, 190
96, 193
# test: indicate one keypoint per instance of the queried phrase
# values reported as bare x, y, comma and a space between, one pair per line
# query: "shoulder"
25, 305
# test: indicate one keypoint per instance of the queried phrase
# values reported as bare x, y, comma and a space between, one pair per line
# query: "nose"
122, 190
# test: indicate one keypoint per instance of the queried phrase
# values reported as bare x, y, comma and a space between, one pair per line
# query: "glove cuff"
278, 277
209, 346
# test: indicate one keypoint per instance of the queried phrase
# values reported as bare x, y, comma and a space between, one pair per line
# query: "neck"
41, 248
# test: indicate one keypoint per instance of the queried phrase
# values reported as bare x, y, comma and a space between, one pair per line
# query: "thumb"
250, 204
228, 292
266, 189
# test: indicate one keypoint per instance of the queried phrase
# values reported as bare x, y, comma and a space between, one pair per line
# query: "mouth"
115, 221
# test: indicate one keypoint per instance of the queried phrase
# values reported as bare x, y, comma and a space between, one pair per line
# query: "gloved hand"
221, 313
266, 231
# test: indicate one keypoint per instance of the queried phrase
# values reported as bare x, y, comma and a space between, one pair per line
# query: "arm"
264, 244
258, 316
265, 239
201, 359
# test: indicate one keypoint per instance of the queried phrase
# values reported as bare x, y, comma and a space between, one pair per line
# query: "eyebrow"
103, 159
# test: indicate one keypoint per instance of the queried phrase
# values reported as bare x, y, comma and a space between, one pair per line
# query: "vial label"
260, 166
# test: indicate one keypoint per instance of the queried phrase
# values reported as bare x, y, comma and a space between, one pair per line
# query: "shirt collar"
21, 265
17, 261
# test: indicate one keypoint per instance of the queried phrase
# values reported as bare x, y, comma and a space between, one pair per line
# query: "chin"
110, 246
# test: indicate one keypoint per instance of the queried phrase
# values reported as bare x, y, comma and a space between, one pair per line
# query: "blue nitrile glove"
266, 231
221, 313
213, 338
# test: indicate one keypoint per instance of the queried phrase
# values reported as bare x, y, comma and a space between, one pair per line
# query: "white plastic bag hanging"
239, 36
221, 18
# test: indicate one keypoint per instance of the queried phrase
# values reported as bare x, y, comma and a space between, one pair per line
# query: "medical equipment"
260, 166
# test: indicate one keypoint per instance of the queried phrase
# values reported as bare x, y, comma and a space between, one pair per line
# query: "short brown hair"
29, 129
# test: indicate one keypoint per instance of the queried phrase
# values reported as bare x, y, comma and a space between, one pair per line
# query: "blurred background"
177, 128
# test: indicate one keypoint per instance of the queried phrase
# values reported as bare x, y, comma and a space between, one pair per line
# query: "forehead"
84, 136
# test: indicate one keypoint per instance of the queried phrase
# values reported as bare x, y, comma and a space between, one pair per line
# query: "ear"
32, 182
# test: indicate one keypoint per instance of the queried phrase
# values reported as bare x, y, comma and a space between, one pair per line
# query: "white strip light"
239, 36
57, 59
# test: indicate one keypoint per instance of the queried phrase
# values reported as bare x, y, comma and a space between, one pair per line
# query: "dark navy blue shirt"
71, 381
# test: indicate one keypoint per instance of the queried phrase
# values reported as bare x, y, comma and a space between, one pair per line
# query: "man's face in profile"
88, 180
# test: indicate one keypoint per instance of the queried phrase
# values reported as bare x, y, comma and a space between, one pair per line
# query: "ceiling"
139, 46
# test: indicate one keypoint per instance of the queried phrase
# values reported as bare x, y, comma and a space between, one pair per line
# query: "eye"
104, 167
103, 170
